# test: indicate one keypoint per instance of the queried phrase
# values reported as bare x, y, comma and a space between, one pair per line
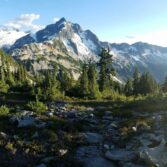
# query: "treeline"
141, 84
96, 81
11, 74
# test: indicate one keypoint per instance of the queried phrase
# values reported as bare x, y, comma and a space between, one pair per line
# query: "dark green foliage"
141, 85
11, 74
164, 85
84, 82
136, 82
128, 87
147, 84
50, 86
37, 106
93, 85
66, 81
4, 110
106, 69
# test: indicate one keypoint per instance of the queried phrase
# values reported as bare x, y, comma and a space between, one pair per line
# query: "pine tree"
164, 85
10, 76
2, 75
93, 85
147, 84
51, 86
136, 82
83, 86
106, 70
65, 80
128, 87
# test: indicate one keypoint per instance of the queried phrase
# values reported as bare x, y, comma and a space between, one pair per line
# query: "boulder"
144, 156
26, 121
91, 138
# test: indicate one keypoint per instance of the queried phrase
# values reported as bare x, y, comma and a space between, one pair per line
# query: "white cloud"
24, 22
55, 19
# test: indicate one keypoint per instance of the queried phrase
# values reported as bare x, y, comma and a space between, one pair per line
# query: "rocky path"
139, 141
91, 136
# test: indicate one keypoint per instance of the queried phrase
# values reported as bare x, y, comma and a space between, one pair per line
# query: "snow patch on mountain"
82, 49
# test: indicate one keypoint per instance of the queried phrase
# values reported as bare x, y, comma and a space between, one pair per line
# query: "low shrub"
4, 110
37, 106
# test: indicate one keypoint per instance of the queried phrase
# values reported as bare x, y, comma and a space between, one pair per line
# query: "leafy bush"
37, 106
4, 110
113, 95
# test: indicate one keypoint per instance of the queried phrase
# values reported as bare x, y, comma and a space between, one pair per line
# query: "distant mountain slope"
66, 45
142, 55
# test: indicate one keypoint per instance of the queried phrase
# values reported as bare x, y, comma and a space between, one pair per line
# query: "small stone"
134, 129
106, 146
27, 150
113, 125
63, 151
91, 115
3, 135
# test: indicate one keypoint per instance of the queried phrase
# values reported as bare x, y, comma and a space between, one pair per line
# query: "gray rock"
114, 125
91, 157
63, 151
91, 138
26, 121
3, 135
106, 146
144, 155
120, 155
41, 165
49, 113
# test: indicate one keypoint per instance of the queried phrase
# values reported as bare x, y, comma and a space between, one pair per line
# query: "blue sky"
111, 20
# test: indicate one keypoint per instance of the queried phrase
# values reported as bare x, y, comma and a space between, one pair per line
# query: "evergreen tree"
83, 86
128, 87
10, 76
147, 84
2, 75
164, 85
50, 86
93, 85
136, 79
65, 80
106, 70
